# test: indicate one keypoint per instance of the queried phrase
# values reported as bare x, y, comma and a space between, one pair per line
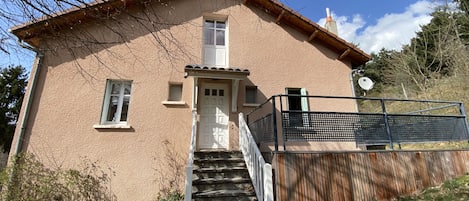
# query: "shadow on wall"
155, 22
170, 173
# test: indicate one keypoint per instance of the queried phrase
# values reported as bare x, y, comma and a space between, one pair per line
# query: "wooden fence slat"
365, 176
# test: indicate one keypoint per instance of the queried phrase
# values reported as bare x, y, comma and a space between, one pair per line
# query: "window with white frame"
116, 102
215, 41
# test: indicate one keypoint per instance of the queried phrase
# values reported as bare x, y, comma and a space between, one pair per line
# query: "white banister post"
268, 184
188, 179
188, 185
259, 171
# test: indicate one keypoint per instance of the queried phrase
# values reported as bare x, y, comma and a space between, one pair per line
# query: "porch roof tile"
213, 69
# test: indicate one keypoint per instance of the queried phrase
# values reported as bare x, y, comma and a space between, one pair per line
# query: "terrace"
285, 121
282, 143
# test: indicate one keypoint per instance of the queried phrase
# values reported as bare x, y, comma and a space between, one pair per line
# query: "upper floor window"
116, 102
215, 39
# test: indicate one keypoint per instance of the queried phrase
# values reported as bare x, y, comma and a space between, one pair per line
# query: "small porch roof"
216, 72
233, 74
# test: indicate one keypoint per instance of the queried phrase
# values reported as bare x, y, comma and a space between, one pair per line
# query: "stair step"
220, 169
218, 159
237, 198
220, 180
221, 176
225, 186
219, 152
223, 193
200, 155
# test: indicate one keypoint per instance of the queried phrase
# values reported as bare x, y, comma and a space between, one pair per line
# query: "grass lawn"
456, 189
433, 146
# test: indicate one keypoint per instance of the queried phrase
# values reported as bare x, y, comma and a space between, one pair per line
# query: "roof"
315, 32
67, 18
284, 15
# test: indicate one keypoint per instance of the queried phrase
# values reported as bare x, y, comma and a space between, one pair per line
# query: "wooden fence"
379, 175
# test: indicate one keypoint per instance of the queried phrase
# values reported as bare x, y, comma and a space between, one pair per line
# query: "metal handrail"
281, 107
367, 98
190, 162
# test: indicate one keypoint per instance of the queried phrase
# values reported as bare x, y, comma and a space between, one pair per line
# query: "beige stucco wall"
70, 89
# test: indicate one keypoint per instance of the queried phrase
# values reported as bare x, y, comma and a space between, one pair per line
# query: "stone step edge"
223, 193
218, 169
220, 181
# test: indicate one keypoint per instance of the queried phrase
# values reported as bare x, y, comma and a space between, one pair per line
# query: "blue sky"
372, 24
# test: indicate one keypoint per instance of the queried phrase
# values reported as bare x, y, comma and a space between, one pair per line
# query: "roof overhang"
216, 72
315, 33
30, 31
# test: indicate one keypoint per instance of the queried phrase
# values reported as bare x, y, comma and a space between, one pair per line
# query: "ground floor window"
116, 102
251, 95
175, 92
297, 104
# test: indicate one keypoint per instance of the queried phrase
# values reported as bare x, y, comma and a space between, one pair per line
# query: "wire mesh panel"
370, 129
427, 128
263, 129
334, 126
382, 121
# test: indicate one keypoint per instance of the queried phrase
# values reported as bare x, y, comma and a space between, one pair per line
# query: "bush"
28, 179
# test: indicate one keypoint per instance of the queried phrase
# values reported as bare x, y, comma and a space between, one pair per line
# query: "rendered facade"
126, 98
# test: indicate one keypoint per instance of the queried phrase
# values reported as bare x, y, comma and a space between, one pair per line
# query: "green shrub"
173, 195
28, 179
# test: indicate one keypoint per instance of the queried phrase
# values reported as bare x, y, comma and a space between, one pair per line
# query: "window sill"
112, 126
251, 104
176, 103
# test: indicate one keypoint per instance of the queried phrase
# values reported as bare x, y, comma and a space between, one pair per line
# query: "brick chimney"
331, 25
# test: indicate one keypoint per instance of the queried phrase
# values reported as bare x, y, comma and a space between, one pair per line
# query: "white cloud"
391, 31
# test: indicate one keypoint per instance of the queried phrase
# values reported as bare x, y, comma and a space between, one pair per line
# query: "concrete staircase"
221, 175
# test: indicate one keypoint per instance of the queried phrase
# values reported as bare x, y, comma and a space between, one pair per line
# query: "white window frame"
214, 47
121, 95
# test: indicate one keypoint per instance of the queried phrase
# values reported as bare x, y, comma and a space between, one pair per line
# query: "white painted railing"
259, 170
188, 182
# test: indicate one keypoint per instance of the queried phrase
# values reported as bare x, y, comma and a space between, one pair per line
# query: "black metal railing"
377, 121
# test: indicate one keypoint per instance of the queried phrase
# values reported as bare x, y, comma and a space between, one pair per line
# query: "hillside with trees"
13, 81
434, 65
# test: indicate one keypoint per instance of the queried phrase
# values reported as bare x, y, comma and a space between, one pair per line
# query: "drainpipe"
352, 84
24, 117
32, 86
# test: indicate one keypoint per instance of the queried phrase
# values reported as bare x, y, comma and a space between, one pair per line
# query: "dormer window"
215, 43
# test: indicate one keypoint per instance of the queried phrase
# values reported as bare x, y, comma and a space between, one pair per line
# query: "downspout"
352, 84
32, 86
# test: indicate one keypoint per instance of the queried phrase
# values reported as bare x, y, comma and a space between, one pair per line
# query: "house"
117, 81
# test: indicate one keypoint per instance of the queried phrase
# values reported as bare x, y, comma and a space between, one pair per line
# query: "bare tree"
67, 36
437, 52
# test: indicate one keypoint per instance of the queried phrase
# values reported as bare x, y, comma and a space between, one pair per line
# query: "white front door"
213, 127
